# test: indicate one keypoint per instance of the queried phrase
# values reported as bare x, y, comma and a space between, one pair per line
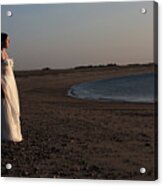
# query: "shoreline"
71, 93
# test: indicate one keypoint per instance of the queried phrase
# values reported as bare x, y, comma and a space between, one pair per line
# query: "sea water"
132, 88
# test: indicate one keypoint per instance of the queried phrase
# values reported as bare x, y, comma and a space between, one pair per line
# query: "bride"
10, 109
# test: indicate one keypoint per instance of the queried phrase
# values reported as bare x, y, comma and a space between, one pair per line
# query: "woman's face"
7, 44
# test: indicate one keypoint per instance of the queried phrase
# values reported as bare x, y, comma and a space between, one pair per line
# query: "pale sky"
74, 34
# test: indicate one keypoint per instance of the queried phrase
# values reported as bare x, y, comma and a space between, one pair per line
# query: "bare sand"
66, 137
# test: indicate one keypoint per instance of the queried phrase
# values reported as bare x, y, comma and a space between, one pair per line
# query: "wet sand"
66, 137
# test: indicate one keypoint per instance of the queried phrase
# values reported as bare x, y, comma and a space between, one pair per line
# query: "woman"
10, 110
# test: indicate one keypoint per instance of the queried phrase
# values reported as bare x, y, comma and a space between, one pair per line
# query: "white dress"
10, 110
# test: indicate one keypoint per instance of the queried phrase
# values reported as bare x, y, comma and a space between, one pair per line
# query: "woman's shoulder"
3, 61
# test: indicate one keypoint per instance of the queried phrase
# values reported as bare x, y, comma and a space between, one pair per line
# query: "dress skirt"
10, 110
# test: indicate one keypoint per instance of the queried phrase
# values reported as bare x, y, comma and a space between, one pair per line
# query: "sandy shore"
66, 137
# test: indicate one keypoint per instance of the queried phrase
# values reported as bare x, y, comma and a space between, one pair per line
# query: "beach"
66, 137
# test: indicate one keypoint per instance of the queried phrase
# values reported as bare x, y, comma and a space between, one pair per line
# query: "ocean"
131, 88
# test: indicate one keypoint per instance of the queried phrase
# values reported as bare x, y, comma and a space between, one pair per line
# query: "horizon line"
89, 66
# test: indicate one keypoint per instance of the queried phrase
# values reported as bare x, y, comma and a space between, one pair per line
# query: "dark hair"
3, 39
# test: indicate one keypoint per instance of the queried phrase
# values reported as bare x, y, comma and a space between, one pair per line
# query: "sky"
67, 35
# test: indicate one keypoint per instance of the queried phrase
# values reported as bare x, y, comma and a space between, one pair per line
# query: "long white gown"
10, 109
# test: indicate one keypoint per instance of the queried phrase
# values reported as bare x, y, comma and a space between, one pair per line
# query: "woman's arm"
3, 92
4, 64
